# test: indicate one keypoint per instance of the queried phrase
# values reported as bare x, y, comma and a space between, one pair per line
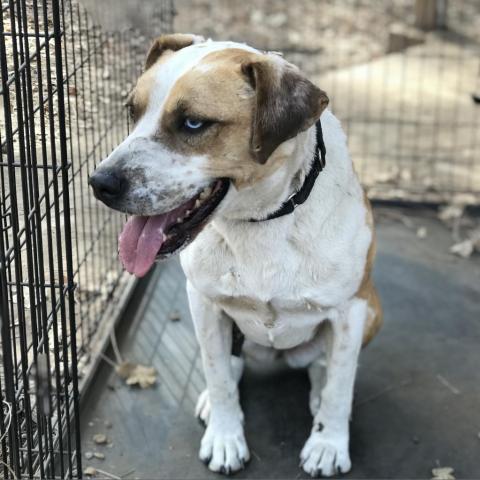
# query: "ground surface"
417, 391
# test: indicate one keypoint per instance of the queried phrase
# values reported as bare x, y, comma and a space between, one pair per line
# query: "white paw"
224, 451
202, 410
325, 455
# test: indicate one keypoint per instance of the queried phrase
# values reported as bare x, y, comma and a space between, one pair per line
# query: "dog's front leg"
326, 451
223, 446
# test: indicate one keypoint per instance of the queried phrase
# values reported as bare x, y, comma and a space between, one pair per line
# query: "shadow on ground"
417, 393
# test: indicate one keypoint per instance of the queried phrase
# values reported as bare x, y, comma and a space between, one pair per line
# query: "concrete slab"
417, 393
410, 120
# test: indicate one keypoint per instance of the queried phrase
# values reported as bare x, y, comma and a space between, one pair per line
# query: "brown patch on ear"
172, 42
287, 103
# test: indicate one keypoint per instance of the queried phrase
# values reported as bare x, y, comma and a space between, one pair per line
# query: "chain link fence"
63, 84
401, 75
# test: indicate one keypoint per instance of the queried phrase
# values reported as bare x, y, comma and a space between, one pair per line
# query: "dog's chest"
273, 295
276, 323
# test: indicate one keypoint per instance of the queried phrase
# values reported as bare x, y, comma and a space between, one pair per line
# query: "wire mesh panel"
63, 83
401, 76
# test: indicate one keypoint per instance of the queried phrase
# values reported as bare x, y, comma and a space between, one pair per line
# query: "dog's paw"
202, 410
224, 451
325, 456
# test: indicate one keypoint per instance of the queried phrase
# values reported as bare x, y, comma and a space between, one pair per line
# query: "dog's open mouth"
144, 239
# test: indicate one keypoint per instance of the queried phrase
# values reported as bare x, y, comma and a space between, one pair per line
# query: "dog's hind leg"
223, 447
202, 409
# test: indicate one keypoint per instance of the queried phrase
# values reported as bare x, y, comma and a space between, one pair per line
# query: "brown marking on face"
215, 90
161, 50
367, 289
138, 99
218, 92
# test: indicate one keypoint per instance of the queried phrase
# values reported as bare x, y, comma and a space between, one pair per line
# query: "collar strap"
301, 196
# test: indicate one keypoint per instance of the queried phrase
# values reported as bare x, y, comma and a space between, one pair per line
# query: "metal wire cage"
63, 83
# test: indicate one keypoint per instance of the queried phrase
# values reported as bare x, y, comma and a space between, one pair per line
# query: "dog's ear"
173, 42
286, 103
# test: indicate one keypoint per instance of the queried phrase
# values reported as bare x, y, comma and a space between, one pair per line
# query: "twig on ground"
128, 473
388, 389
108, 474
116, 350
447, 384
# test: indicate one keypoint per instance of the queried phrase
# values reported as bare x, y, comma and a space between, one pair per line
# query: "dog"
235, 161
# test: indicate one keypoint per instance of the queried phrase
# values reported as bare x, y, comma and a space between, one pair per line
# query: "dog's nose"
107, 185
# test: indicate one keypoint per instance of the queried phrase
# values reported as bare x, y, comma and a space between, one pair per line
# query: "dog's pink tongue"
140, 241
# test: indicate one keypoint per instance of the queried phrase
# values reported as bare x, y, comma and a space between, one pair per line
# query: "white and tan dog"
225, 134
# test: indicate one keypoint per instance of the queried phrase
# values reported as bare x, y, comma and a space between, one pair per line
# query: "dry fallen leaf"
387, 176
450, 212
463, 249
135, 374
422, 232
99, 455
88, 455
100, 438
90, 471
443, 473
466, 247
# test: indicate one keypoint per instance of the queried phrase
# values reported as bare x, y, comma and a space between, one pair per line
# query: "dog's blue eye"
191, 124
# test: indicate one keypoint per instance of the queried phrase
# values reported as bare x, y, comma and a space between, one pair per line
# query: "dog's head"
208, 117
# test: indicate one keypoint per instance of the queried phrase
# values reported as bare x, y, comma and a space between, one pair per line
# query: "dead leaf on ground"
463, 249
450, 212
100, 438
422, 232
99, 455
387, 176
90, 471
443, 473
466, 247
136, 374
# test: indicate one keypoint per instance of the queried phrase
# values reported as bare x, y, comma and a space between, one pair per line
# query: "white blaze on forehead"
167, 74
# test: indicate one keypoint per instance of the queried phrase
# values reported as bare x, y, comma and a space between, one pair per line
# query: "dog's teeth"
188, 212
206, 193
197, 203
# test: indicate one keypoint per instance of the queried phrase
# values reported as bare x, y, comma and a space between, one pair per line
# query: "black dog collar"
298, 198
